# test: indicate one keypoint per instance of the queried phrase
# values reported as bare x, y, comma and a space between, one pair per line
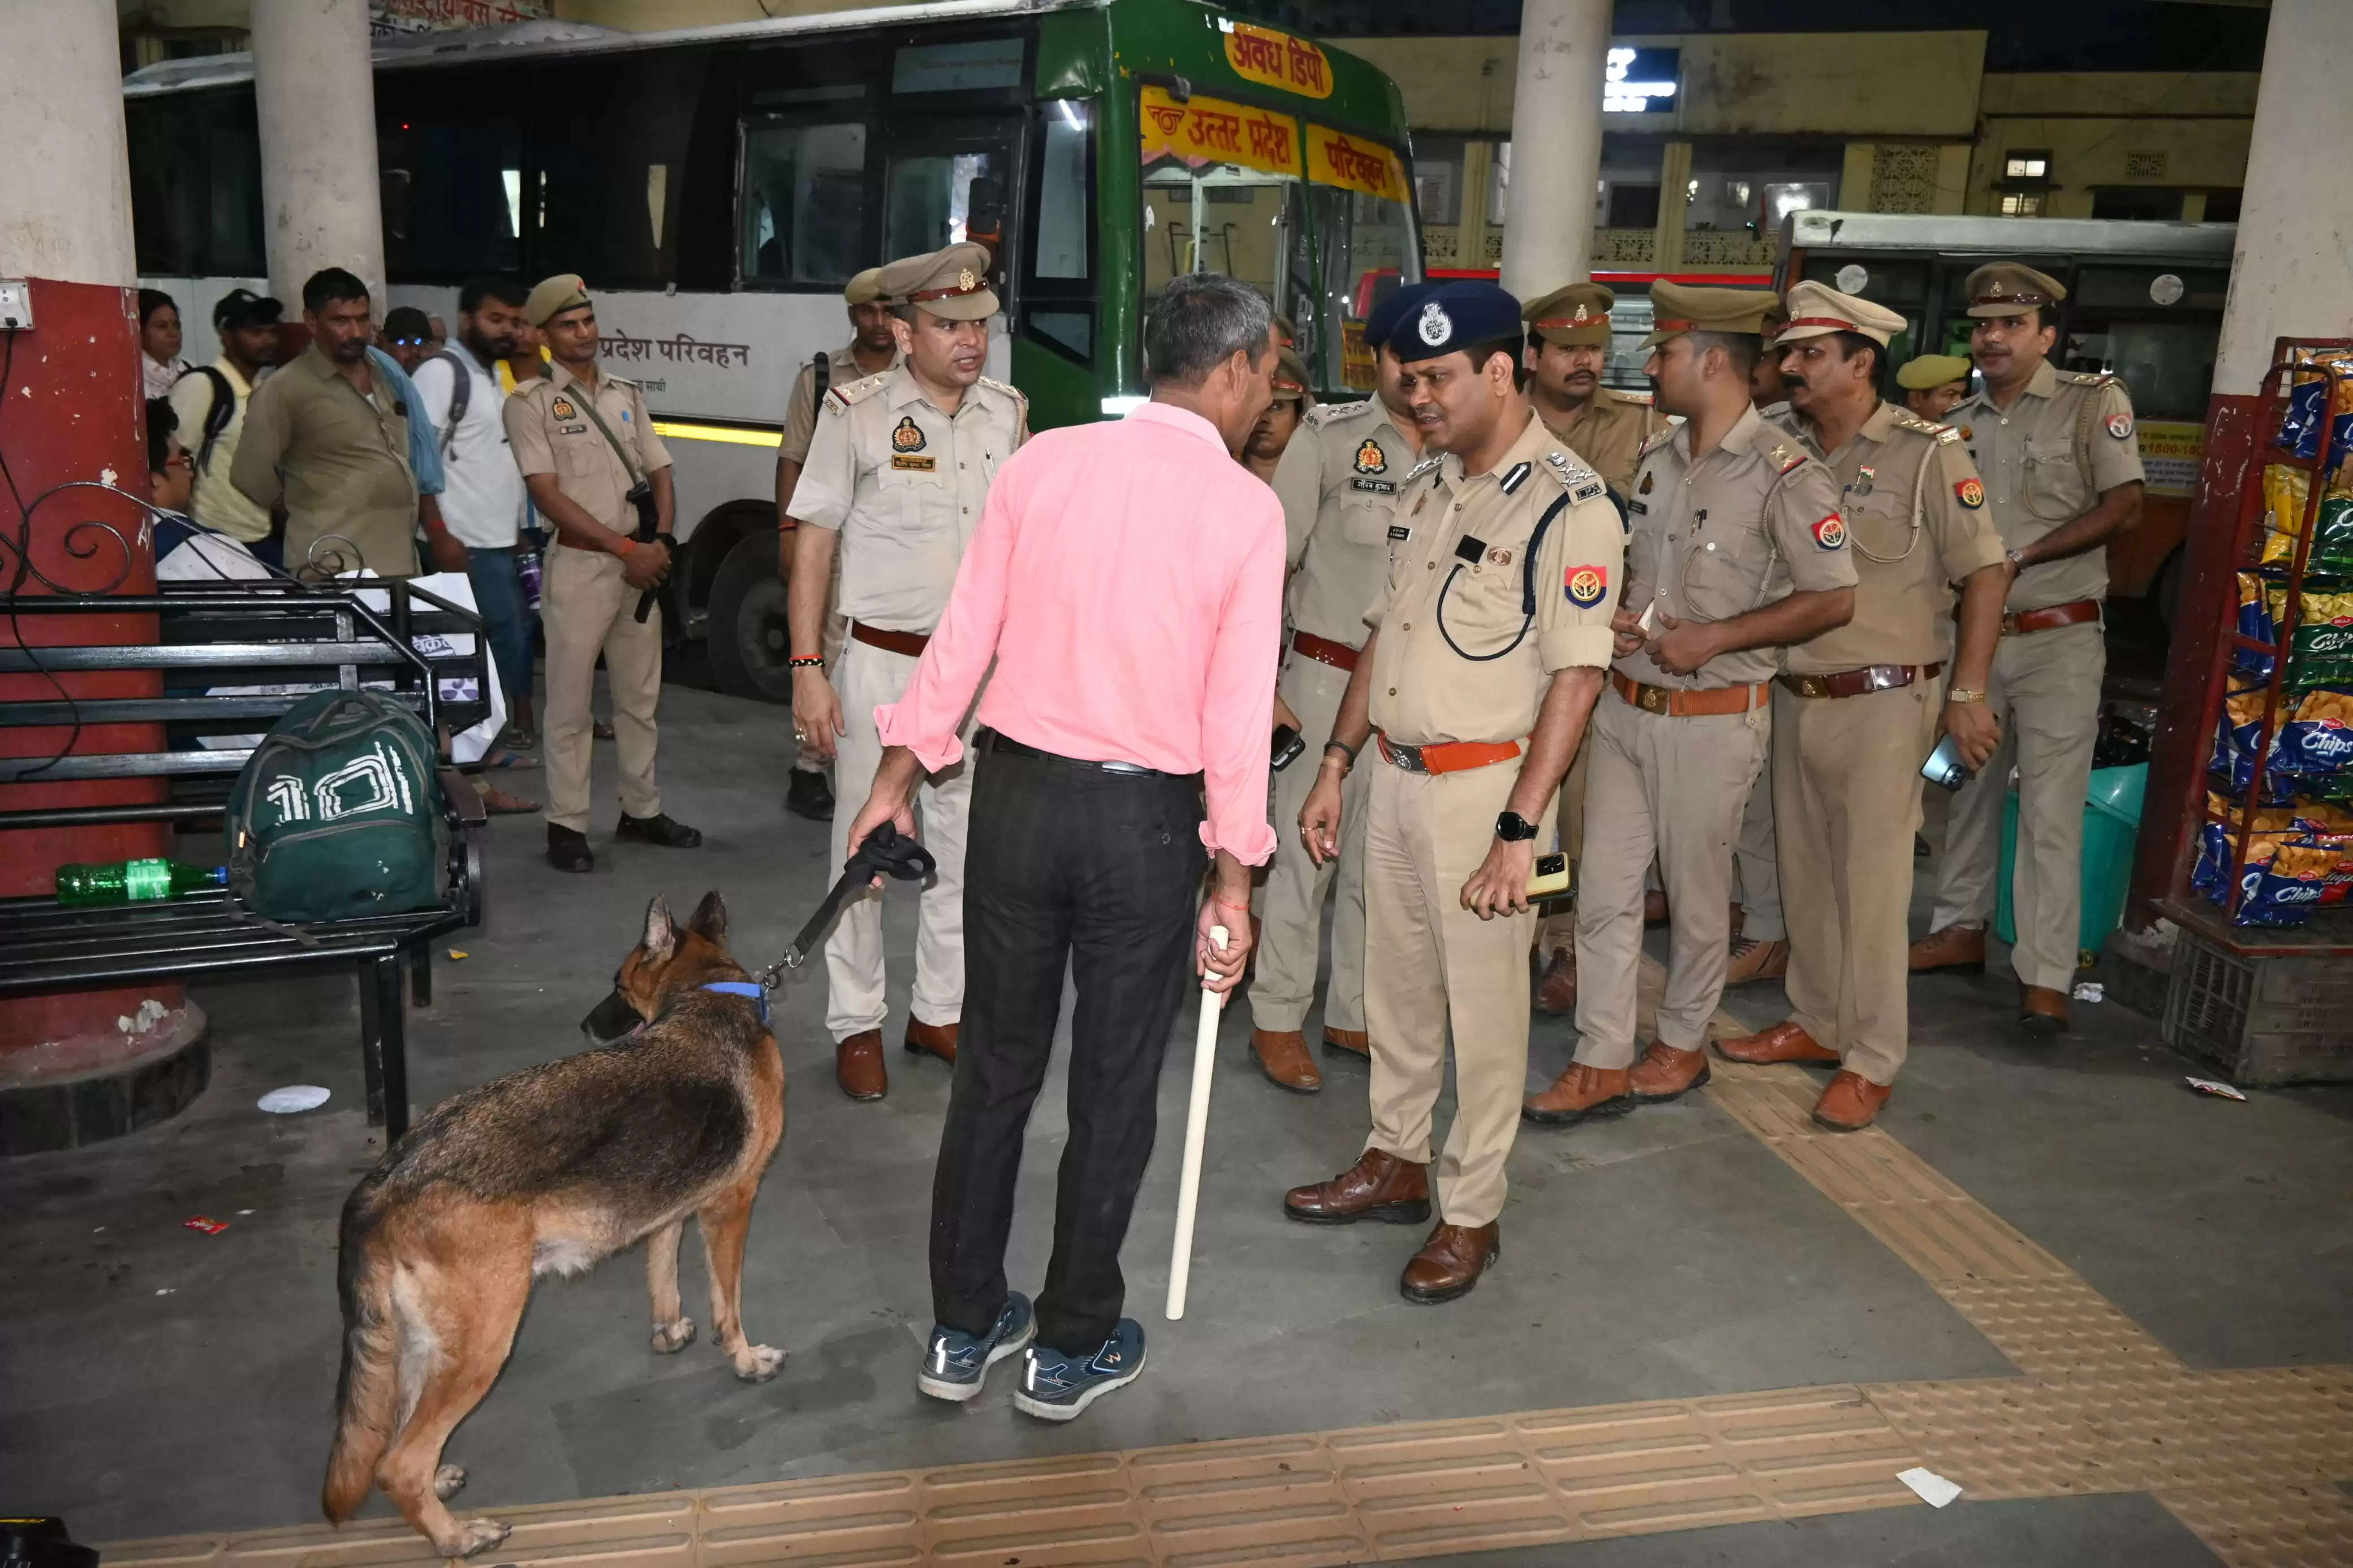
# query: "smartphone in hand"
1288, 745
1944, 767
1549, 877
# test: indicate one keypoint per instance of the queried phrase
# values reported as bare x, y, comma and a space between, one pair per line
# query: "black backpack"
461, 388
216, 417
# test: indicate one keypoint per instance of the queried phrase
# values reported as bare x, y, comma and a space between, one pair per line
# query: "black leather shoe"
808, 794
657, 829
567, 851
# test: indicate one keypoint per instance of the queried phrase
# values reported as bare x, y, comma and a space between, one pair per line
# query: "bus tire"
746, 635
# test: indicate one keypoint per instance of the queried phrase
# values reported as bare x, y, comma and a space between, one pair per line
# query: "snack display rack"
2263, 667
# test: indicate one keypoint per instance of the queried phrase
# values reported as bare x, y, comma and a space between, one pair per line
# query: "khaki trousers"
837, 629
1556, 931
585, 608
1431, 963
2046, 691
1757, 867
867, 677
1846, 801
1291, 917
1675, 788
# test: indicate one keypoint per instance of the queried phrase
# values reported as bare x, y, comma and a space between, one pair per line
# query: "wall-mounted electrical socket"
16, 304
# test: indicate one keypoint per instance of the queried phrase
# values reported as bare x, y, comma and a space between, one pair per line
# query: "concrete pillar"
1674, 207
1556, 144
314, 88
64, 203
2293, 274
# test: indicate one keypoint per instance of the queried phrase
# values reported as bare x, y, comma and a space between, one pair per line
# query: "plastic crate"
2262, 1020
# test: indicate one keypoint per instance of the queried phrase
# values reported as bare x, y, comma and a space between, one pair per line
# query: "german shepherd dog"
550, 1170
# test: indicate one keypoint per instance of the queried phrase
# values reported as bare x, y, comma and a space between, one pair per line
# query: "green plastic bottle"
130, 881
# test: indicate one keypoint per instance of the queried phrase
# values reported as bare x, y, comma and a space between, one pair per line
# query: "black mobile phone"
1288, 745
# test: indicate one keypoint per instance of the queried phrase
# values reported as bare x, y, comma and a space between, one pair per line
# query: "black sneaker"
657, 829
567, 849
956, 1363
808, 794
1056, 1385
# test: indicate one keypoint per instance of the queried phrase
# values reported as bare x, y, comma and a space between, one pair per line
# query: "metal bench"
235, 634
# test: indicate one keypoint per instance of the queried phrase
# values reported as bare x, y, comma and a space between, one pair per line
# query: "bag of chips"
2322, 645
2236, 735
2286, 490
2255, 621
2332, 539
2315, 740
2309, 410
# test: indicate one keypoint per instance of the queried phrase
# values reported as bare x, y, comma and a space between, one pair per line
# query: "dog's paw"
671, 1338
474, 1535
446, 1480
757, 1363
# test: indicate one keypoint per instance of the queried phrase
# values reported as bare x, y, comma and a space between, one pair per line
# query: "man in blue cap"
1339, 482
1487, 652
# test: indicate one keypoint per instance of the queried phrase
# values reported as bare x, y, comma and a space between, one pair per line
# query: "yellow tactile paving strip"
2248, 1461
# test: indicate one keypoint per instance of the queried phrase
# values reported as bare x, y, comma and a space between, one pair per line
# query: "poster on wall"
391, 18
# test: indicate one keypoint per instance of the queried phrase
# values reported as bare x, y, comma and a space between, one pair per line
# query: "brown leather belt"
1856, 682
911, 644
1447, 756
1323, 650
2050, 617
1674, 703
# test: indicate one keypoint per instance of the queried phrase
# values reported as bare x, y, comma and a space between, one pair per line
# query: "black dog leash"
885, 854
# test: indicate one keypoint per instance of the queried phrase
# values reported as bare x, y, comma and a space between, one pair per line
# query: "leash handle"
885, 853
1197, 1134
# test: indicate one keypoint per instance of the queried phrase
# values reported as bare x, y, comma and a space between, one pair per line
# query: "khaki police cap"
952, 284
2011, 289
1680, 307
1930, 371
1576, 315
1289, 377
1285, 334
553, 297
1817, 308
860, 289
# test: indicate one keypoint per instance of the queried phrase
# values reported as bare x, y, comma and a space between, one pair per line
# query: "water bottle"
134, 881
527, 573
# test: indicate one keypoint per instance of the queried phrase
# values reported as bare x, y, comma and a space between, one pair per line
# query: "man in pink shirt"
1126, 580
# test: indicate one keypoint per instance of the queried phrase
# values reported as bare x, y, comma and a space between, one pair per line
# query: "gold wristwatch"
1963, 694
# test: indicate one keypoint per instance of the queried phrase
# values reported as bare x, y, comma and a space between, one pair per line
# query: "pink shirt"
1127, 580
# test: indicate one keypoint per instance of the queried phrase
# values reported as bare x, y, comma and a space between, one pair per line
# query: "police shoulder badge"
1831, 532
1370, 458
1971, 492
1783, 458
1587, 585
1435, 326
1426, 466
906, 436
562, 407
2120, 426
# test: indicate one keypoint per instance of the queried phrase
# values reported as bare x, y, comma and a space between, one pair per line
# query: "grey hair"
1200, 321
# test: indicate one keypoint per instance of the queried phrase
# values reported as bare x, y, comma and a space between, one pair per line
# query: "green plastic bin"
2110, 827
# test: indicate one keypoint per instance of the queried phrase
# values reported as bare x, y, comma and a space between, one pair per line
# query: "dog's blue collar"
743, 988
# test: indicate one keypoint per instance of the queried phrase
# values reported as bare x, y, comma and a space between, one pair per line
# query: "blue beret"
1383, 319
1451, 318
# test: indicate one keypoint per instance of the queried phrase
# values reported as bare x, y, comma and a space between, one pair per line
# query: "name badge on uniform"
1399, 533
1641, 508
1374, 486
915, 465
571, 429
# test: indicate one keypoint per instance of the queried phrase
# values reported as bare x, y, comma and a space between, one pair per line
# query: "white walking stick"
1197, 1132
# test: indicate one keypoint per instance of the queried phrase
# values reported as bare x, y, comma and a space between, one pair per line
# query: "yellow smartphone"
1549, 878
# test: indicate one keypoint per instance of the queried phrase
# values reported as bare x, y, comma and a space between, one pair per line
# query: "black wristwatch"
1512, 828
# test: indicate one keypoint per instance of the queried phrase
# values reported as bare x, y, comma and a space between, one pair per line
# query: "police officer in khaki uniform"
1567, 350
1934, 384
1339, 482
1263, 448
1859, 708
584, 441
1736, 549
870, 351
896, 474
1486, 656
2062, 467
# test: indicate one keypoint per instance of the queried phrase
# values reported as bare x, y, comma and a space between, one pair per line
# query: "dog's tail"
367, 1394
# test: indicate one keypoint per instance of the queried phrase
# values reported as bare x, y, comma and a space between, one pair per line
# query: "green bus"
718, 185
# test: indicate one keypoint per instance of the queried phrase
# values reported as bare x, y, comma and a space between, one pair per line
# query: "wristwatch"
1963, 694
2017, 558
1512, 828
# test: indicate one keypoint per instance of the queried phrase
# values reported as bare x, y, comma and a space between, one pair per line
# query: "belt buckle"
1814, 686
1655, 699
2010, 623
1405, 756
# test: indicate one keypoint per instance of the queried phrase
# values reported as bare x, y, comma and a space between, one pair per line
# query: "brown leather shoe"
858, 1065
1654, 908
1283, 1056
2041, 1010
1784, 1042
1956, 950
1451, 1262
1378, 1186
1556, 992
1850, 1103
1579, 1092
1666, 1073
933, 1040
1356, 1042
1752, 960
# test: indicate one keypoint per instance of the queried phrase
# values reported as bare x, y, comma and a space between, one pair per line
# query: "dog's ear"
709, 920
662, 931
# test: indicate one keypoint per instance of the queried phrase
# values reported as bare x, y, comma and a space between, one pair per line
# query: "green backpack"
338, 814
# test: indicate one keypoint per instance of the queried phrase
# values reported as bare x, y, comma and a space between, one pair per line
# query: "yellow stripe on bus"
683, 430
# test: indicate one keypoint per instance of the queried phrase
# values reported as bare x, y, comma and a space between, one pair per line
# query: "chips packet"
2256, 622
2332, 539
2286, 888
2315, 739
2321, 645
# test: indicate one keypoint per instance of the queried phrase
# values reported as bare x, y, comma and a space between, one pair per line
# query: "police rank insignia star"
1831, 532
1585, 586
906, 437
2120, 426
1370, 458
1971, 492
562, 408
